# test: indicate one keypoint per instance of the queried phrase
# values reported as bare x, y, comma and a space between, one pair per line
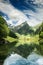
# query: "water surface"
16, 59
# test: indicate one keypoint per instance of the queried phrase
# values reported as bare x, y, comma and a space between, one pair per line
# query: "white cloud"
33, 22
36, 17
5, 1
12, 12
18, 16
34, 1
40, 61
38, 1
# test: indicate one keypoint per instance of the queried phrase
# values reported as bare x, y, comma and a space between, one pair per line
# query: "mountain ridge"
25, 28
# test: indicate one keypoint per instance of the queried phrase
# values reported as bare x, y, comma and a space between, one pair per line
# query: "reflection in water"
40, 61
32, 59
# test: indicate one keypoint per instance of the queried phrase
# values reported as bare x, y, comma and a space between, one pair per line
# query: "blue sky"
18, 11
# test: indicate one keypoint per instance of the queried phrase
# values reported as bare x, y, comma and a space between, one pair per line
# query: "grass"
10, 39
35, 39
27, 39
24, 39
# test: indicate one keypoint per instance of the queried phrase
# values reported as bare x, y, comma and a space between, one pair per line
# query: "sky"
16, 12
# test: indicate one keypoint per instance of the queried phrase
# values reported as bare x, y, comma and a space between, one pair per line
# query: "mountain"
38, 28
24, 28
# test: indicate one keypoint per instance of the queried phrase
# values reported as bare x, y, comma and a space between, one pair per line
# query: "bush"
41, 35
12, 34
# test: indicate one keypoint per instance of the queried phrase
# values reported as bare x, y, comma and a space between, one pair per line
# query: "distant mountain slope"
38, 28
24, 28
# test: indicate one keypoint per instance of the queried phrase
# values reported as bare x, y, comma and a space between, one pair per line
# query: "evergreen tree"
3, 28
41, 39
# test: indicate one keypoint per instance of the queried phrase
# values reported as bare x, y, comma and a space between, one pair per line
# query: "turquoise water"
32, 59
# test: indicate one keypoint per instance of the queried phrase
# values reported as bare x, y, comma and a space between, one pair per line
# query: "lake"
16, 59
